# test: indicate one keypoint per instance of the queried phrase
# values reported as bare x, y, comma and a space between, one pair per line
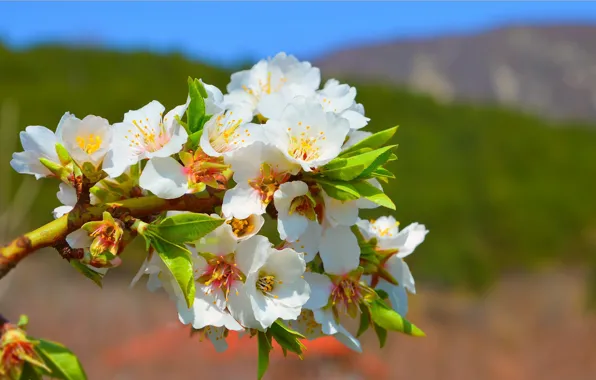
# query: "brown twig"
54, 232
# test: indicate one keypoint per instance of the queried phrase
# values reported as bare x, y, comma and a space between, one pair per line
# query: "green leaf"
381, 172
370, 192
264, 350
23, 321
88, 272
196, 109
194, 140
185, 228
347, 169
374, 141
342, 191
381, 335
60, 360
364, 322
179, 262
29, 372
287, 338
388, 319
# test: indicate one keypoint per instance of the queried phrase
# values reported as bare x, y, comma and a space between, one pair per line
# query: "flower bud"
15, 350
107, 235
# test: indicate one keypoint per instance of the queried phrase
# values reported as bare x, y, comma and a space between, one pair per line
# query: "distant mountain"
548, 70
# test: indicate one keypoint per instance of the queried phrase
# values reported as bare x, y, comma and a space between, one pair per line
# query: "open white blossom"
228, 131
307, 134
270, 84
259, 170
389, 237
145, 133
274, 286
87, 140
38, 142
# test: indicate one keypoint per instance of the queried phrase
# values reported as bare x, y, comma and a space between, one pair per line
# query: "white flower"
259, 169
307, 134
228, 131
270, 84
68, 196
295, 210
87, 140
209, 306
386, 231
144, 134
38, 142
274, 287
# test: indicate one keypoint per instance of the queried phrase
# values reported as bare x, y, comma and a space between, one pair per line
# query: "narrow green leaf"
381, 172
60, 360
264, 350
196, 109
94, 276
381, 335
378, 162
388, 319
347, 169
373, 194
194, 140
374, 141
185, 228
342, 191
287, 338
179, 262
364, 322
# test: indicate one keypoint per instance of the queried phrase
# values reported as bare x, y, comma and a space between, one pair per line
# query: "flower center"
241, 227
265, 86
305, 147
224, 136
304, 205
266, 284
145, 137
221, 273
346, 296
382, 232
89, 144
268, 182
202, 169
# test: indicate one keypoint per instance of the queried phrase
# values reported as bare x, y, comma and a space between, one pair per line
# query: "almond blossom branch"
55, 232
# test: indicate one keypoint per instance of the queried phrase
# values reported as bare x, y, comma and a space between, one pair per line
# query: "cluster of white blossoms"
286, 254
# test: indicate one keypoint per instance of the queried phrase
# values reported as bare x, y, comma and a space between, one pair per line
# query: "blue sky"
225, 32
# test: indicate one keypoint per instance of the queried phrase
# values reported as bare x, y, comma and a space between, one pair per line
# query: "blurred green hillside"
499, 190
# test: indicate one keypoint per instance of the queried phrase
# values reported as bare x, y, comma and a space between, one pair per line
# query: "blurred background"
496, 104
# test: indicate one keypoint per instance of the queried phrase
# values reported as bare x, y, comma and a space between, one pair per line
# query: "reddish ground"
528, 327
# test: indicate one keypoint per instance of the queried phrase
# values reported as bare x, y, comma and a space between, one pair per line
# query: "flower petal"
339, 250
164, 177
253, 253
79, 239
242, 201
320, 290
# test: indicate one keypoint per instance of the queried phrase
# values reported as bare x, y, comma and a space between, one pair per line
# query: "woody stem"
54, 232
